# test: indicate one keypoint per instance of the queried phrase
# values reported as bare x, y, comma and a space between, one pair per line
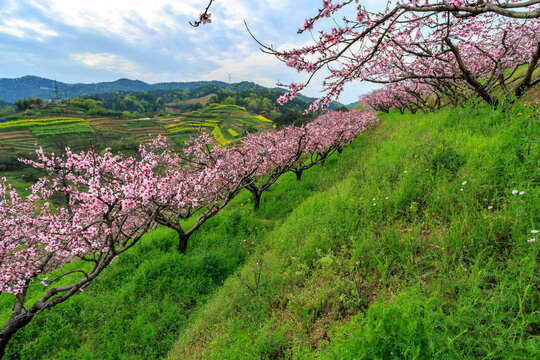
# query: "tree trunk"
182, 241
339, 150
469, 77
298, 174
526, 82
256, 198
14, 324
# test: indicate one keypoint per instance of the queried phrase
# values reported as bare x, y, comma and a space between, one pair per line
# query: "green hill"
415, 243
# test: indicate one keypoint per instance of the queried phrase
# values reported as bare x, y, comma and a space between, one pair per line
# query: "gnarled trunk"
14, 324
182, 241
298, 174
256, 195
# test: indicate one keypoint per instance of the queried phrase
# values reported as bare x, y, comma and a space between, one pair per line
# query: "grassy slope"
395, 260
138, 308
429, 272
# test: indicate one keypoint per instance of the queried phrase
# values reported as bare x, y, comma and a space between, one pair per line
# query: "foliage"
23, 104
474, 47
156, 290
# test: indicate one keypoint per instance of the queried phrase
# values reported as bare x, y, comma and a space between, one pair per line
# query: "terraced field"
23, 133
225, 122
20, 132
19, 140
144, 129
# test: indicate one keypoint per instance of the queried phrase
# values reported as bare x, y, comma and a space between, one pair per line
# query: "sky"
151, 40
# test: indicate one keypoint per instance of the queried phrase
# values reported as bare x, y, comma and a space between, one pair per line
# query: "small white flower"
521, 192
534, 231
531, 240
514, 192
374, 204
405, 171
490, 207
463, 183
373, 199
387, 198
460, 189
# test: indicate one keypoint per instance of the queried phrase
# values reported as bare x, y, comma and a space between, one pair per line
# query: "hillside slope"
423, 251
145, 299
410, 244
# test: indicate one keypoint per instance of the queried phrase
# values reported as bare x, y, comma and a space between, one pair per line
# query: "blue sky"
151, 40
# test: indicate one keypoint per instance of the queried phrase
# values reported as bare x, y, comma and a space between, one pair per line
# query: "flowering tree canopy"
91, 208
474, 45
102, 214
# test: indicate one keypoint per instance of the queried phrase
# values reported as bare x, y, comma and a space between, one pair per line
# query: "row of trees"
93, 207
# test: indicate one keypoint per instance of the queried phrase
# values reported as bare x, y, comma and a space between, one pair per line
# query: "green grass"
377, 254
396, 260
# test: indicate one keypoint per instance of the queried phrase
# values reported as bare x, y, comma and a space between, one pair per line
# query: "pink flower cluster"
453, 48
94, 206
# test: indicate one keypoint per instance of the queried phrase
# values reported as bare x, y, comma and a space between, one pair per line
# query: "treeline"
5, 108
257, 99
23, 104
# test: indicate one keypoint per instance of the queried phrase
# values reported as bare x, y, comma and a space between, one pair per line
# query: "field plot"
144, 129
106, 124
19, 140
225, 122
23, 134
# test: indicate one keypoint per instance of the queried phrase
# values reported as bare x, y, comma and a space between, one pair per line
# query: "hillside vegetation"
425, 249
415, 242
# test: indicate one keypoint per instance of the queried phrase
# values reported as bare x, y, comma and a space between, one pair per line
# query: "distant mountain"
352, 105
33, 86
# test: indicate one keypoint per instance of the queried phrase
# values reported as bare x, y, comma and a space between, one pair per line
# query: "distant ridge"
34, 86
12, 90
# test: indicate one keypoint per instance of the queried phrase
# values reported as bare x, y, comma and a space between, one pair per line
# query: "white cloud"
131, 20
22, 28
255, 67
111, 63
